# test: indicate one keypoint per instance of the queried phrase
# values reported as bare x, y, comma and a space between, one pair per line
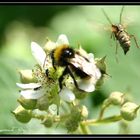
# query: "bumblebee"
119, 33
72, 61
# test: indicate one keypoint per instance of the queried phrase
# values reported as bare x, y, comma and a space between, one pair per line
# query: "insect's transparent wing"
84, 65
130, 18
99, 27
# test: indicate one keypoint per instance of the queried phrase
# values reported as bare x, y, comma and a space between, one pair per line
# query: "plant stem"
37, 116
84, 129
101, 113
103, 121
105, 105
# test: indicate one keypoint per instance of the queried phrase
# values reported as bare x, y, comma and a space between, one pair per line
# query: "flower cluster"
52, 90
128, 110
40, 87
45, 83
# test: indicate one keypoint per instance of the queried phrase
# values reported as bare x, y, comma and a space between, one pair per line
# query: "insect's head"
62, 54
114, 28
68, 53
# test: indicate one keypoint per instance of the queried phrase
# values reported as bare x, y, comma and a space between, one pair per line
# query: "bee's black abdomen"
79, 72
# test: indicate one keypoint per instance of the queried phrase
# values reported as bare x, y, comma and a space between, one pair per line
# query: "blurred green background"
21, 24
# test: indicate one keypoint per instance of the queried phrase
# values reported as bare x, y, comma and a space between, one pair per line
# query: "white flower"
36, 90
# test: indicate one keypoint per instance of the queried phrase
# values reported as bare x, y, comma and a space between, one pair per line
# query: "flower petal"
86, 85
49, 46
28, 86
38, 53
53, 109
98, 74
67, 95
31, 94
62, 39
91, 57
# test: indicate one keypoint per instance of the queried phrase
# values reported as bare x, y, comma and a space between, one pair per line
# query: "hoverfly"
120, 35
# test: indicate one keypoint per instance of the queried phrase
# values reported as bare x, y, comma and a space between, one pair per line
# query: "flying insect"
120, 35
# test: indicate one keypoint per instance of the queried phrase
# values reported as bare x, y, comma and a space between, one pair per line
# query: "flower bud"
129, 111
48, 121
100, 82
79, 94
84, 111
76, 114
116, 98
27, 77
71, 125
49, 46
100, 63
74, 119
81, 51
22, 115
27, 103
43, 103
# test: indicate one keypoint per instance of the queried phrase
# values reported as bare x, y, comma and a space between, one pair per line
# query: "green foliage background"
21, 24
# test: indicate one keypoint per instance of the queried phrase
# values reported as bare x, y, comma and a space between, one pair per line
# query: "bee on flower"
60, 69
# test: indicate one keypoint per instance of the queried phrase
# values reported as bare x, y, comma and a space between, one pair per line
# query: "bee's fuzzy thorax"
57, 53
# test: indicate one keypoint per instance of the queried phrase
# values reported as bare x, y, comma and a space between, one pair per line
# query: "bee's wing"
86, 66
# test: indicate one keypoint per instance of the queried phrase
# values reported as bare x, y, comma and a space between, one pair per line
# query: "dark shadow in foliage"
38, 15
98, 97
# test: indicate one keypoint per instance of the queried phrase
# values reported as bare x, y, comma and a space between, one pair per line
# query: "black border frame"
69, 2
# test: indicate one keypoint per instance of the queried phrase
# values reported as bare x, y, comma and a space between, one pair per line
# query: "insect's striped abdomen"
124, 40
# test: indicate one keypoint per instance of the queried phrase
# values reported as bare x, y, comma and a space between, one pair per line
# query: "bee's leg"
135, 40
52, 57
71, 74
62, 78
116, 51
53, 63
47, 72
112, 36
